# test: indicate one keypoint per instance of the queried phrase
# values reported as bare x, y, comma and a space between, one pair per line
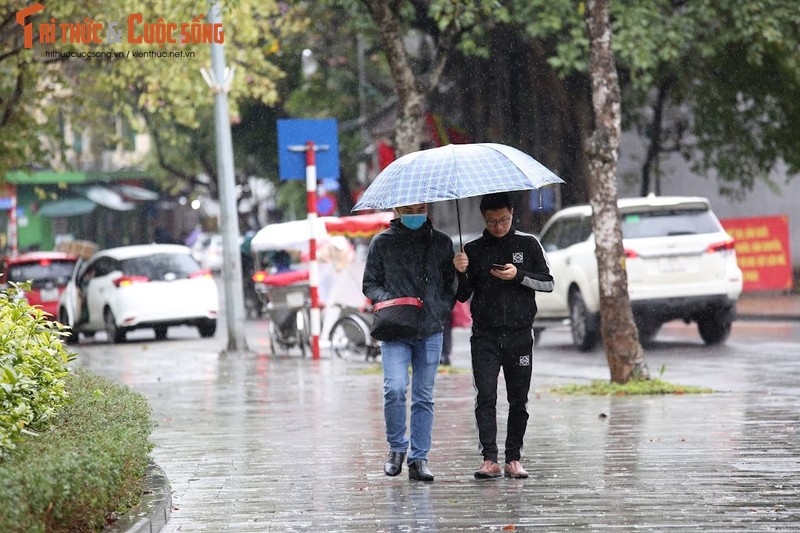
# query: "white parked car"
207, 250
681, 264
145, 286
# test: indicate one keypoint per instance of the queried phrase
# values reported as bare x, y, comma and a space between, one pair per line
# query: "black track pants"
513, 352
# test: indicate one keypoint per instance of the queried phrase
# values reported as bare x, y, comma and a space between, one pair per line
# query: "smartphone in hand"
496, 266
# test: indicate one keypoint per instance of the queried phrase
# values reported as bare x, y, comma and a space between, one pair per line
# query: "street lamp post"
219, 81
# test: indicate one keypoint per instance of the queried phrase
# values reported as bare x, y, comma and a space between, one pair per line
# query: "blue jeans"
423, 356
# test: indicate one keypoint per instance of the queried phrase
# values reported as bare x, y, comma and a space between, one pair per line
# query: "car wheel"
348, 340
584, 325
115, 334
715, 329
207, 328
72, 338
647, 330
161, 332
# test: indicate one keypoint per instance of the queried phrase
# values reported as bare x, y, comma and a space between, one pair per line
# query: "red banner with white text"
762, 251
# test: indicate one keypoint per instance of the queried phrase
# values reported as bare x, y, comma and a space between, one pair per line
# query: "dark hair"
494, 201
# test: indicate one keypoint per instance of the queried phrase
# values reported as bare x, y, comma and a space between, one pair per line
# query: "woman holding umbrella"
411, 259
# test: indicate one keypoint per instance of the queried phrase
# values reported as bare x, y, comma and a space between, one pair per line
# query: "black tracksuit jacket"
504, 305
395, 268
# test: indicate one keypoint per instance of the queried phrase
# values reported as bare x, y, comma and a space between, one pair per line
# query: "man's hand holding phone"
505, 272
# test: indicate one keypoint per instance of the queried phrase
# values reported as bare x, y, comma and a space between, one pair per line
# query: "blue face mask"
413, 221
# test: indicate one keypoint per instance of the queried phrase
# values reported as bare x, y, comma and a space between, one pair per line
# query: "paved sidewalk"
254, 444
768, 306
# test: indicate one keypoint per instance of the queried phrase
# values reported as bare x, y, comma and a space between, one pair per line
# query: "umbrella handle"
458, 218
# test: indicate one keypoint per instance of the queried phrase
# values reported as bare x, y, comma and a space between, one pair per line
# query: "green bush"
88, 463
33, 364
73, 447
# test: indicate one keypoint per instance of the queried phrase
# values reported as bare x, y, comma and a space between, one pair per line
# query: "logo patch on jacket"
524, 360
516, 257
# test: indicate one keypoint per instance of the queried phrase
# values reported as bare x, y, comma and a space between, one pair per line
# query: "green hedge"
74, 448
89, 463
33, 363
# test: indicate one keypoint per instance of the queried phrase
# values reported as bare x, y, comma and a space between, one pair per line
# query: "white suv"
681, 264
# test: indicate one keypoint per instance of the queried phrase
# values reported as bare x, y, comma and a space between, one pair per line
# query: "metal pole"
313, 265
13, 240
232, 261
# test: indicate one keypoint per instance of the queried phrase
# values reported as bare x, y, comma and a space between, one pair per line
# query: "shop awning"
108, 198
133, 192
44, 177
71, 207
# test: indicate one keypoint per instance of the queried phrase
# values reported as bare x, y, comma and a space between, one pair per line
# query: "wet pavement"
255, 443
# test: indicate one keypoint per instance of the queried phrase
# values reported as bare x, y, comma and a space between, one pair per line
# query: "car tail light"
126, 281
200, 274
630, 254
260, 276
724, 246
44, 262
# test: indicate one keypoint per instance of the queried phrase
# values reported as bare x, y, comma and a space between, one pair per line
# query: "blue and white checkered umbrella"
452, 172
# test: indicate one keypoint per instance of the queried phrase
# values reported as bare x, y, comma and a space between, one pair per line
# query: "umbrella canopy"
452, 172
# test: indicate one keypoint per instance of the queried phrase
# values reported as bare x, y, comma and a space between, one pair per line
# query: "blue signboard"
293, 136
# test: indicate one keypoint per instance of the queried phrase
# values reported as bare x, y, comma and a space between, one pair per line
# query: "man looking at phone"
501, 271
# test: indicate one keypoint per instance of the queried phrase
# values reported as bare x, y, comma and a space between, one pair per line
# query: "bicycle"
349, 337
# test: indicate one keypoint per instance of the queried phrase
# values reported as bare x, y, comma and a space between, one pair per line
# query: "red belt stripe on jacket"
398, 301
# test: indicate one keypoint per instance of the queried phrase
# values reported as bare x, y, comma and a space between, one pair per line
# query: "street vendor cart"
346, 314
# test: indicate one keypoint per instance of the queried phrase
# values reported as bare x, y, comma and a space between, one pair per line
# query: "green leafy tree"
31, 85
433, 29
171, 96
716, 82
165, 96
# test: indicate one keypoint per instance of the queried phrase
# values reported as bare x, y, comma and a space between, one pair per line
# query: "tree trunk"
409, 128
620, 337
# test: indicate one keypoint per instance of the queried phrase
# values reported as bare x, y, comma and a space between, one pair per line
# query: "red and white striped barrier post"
313, 266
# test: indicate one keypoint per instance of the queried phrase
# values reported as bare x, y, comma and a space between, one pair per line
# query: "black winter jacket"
498, 304
395, 269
